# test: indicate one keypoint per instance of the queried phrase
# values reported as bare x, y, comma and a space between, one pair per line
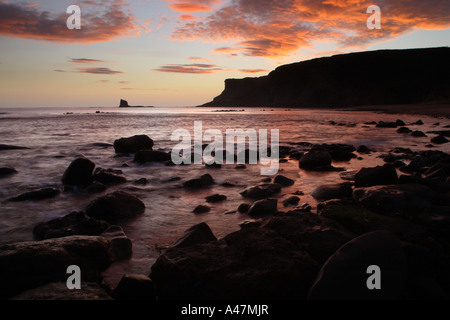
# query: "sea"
54, 137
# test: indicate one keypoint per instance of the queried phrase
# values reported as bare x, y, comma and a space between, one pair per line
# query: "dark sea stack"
134, 287
79, 173
306, 84
316, 159
41, 194
198, 234
123, 104
344, 275
380, 175
133, 144
145, 156
115, 206
6, 172
75, 223
26, 265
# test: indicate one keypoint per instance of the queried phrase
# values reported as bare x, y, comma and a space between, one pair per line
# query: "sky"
179, 52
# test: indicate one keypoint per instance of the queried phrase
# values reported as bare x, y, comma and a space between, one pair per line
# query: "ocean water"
56, 136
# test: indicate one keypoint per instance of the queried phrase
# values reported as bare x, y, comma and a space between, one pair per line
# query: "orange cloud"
252, 70
190, 6
103, 21
271, 28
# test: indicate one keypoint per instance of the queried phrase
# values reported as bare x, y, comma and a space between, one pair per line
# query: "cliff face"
357, 79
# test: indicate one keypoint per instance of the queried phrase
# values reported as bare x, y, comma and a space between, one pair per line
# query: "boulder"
283, 181
201, 209
75, 223
345, 275
5, 172
333, 191
216, 198
243, 207
89, 291
109, 176
41, 194
418, 133
145, 156
79, 172
120, 244
133, 144
204, 181
26, 265
134, 287
261, 191
115, 206
380, 175
316, 159
291, 201
11, 147
383, 124
263, 208
439, 139
198, 234
404, 130
405, 199
363, 149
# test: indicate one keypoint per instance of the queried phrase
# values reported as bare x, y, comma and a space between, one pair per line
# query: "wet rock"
115, 206
133, 144
41, 194
315, 160
404, 130
439, 140
380, 175
109, 176
26, 265
263, 208
5, 172
344, 275
250, 223
201, 209
75, 223
445, 133
145, 156
216, 198
261, 191
198, 234
348, 175
405, 199
134, 287
213, 165
79, 172
90, 291
363, 149
291, 201
418, 122
202, 182
304, 207
383, 124
400, 123
243, 207
333, 191
418, 133
283, 181
95, 187
120, 244
11, 147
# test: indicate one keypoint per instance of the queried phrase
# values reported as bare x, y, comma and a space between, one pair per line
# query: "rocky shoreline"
395, 216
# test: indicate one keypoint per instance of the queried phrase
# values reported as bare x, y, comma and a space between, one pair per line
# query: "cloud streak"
104, 71
196, 68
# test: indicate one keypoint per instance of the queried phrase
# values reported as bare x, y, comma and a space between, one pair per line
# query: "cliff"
385, 77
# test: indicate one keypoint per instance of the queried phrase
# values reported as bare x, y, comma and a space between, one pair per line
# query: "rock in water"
198, 234
37, 195
4, 172
261, 191
133, 144
316, 159
134, 287
216, 198
380, 175
109, 176
345, 275
123, 104
262, 208
333, 191
144, 156
202, 182
283, 181
30, 264
75, 223
115, 206
79, 173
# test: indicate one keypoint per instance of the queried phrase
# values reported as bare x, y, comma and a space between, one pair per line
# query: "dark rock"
363, 149
404, 130
41, 194
133, 144
263, 208
439, 140
344, 275
201, 209
115, 206
5, 172
243, 207
202, 182
405, 199
383, 124
445, 133
304, 207
261, 191
419, 122
120, 244
141, 182
79, 172
123, 104
198, 234
26, 265
418, 133
348, 175
89, 291
292, 200
134, 287
216, 198
400, 123
240, 166
145, 156
398, 164
296, 155
109, 176
333, 191
283, 181
380, 175
250, 223
315, 160
10, 147
213, 165
75, 223
95, 187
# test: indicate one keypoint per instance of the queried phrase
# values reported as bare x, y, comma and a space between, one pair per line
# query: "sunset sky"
179, 52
